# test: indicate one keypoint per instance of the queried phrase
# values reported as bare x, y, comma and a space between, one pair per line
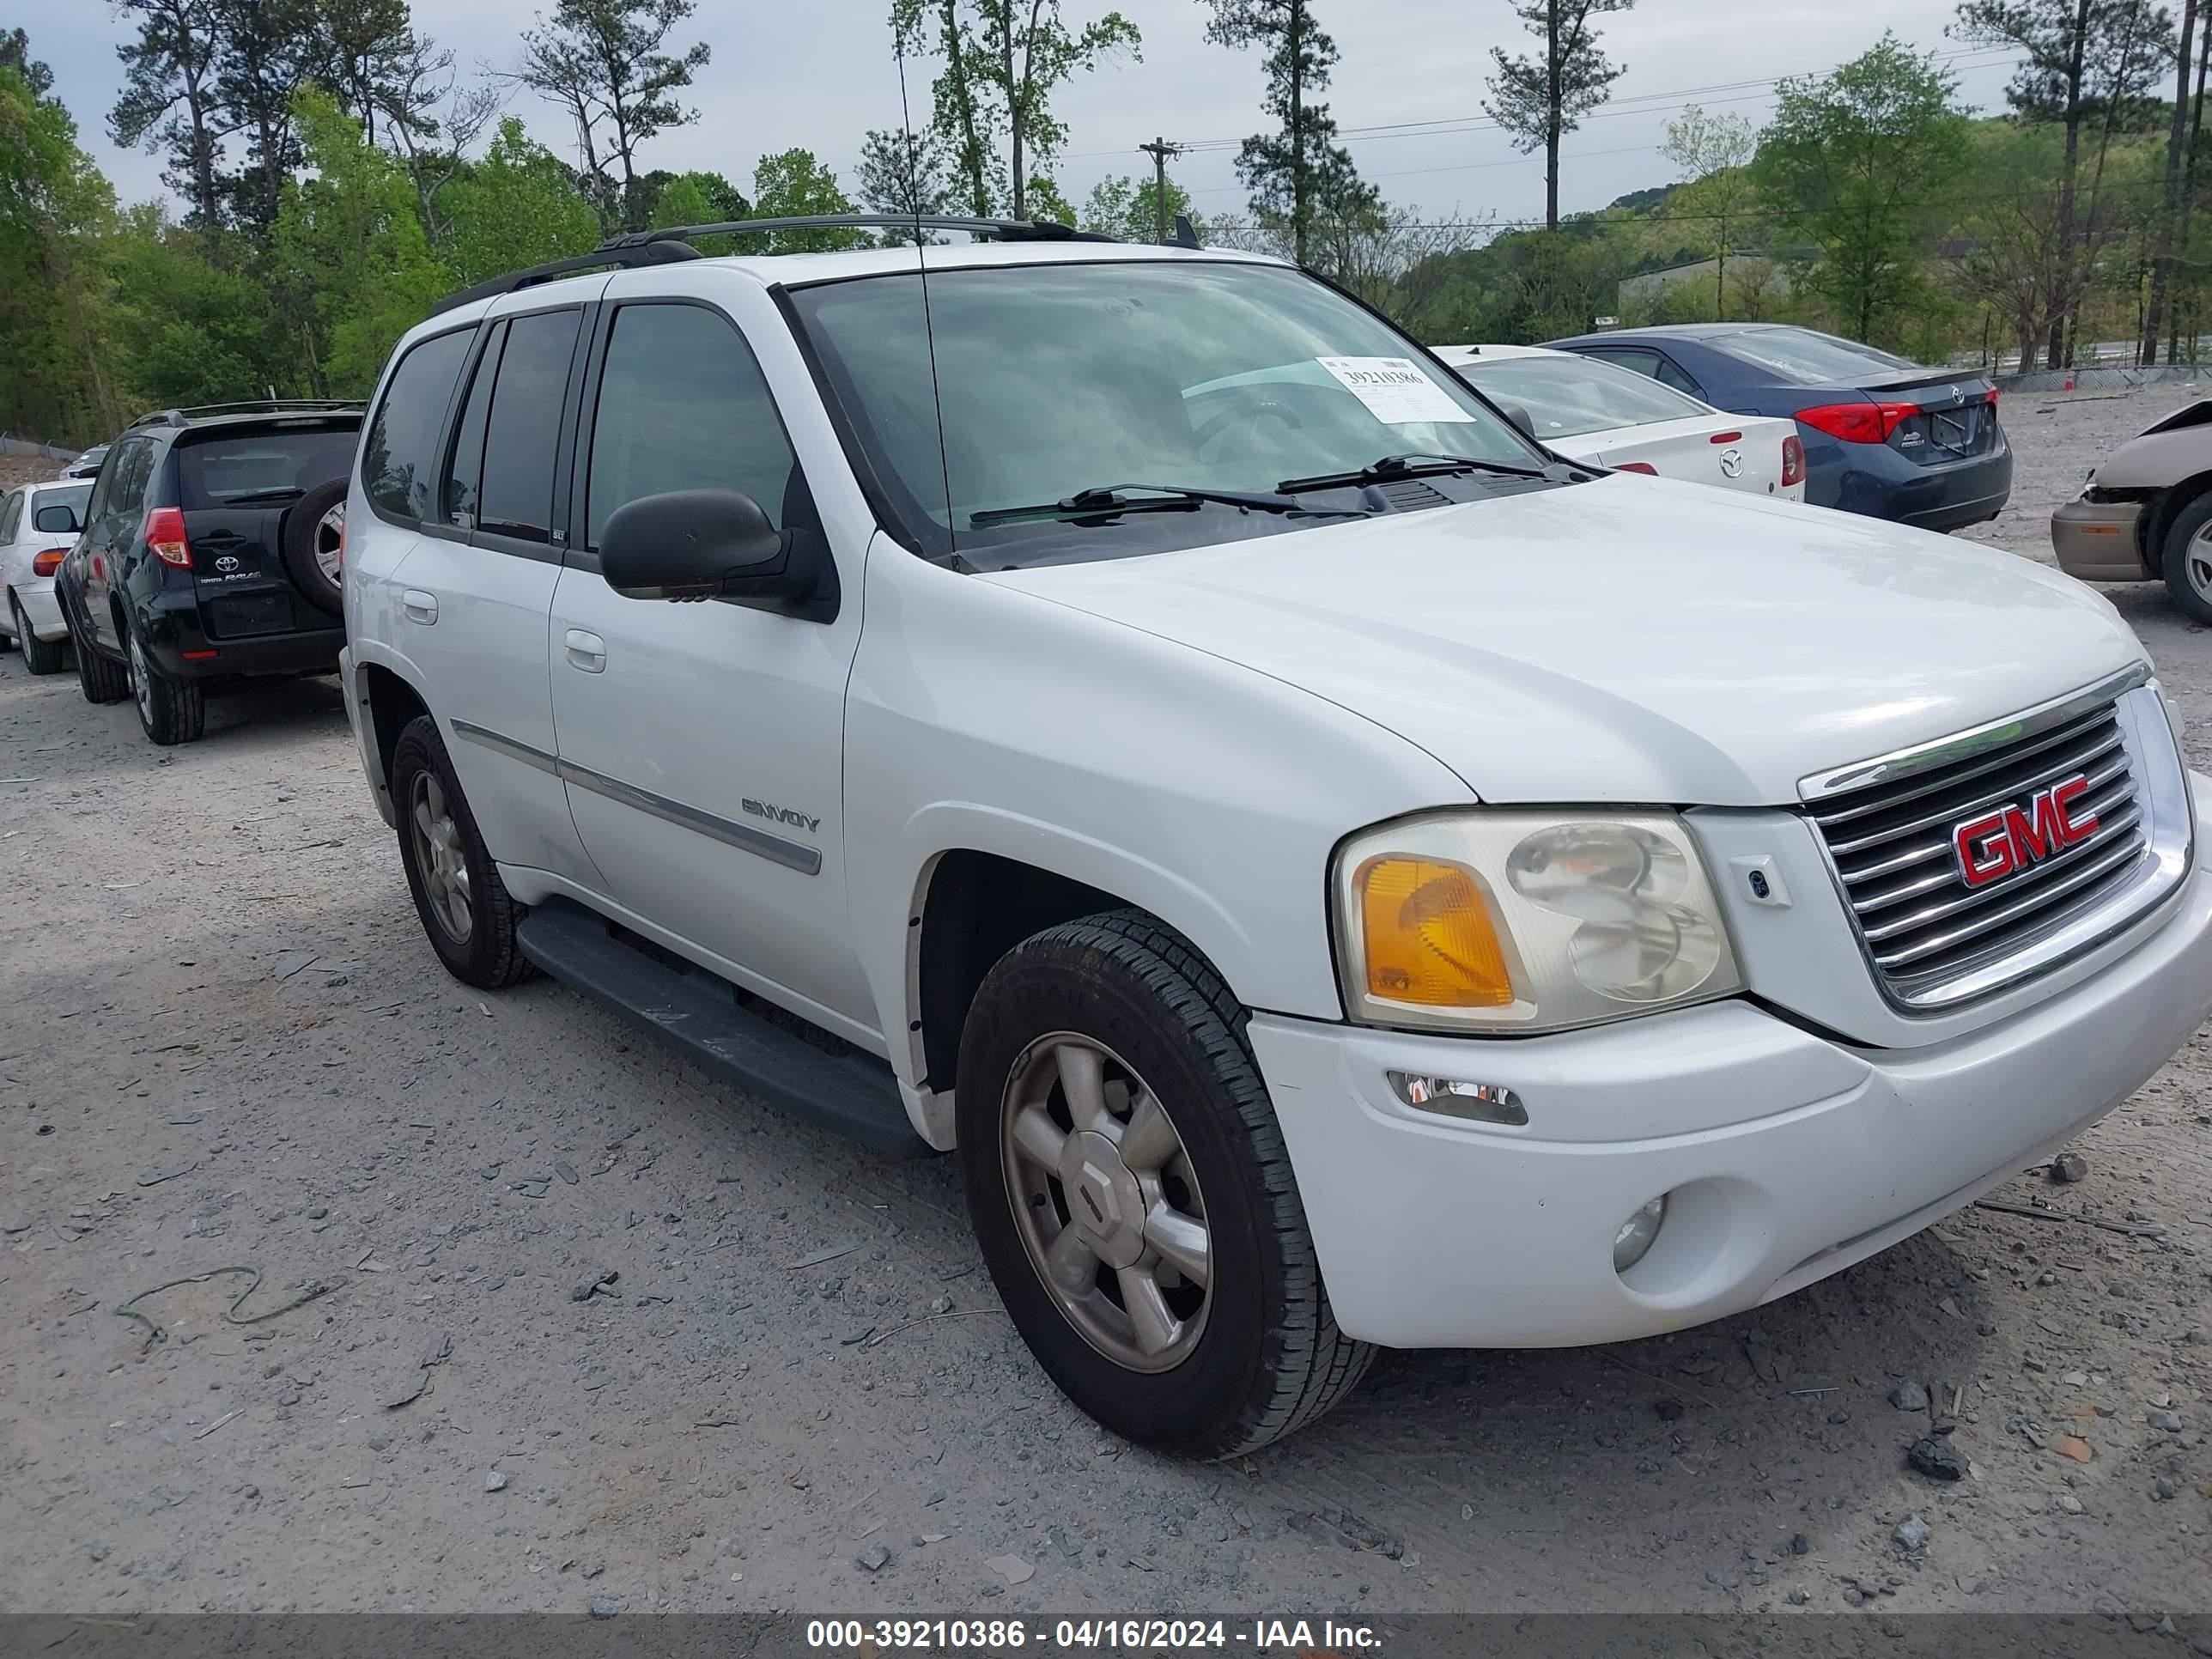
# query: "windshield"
1804, 357
73, 496
1055, 379
1567, 396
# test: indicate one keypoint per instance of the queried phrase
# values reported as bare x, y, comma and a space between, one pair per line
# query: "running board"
698, 1012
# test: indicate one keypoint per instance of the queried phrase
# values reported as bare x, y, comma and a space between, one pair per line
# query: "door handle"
420, 607
586, 651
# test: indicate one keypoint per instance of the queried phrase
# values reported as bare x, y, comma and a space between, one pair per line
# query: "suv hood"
1629, 640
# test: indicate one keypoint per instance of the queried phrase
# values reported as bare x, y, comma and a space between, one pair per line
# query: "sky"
818, 75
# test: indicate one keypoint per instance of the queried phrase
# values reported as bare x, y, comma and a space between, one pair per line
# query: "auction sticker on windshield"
1394, 390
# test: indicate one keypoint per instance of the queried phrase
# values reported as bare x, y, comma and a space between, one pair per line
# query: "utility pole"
1159, 149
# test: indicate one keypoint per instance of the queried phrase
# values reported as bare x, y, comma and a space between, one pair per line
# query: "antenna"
928, 326
1159, 149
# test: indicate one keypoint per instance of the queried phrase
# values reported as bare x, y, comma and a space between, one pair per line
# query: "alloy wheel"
2197, 563
438, 856
1107, 1202
330, 544
142, 682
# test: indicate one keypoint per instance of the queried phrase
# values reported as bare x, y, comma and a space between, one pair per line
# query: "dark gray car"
1883, 435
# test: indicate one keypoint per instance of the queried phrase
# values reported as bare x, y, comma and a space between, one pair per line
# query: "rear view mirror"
715, 545
59, 518
1519, 416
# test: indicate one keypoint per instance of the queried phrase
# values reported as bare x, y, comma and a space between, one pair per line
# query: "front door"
702, 743
116, 512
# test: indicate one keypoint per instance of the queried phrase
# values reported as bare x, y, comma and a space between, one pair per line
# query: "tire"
2185, 561
1256, 1353
99, 676
446, 844
170, 710
307, 542
40, 656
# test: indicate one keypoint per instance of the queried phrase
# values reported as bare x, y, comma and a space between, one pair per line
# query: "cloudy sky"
819, 74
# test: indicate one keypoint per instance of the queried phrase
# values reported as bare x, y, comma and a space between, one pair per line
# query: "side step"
698, 1012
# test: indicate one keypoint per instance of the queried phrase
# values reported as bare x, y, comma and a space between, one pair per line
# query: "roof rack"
672, 244
251, 406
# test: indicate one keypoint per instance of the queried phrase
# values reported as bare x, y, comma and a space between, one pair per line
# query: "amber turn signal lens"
1428, 935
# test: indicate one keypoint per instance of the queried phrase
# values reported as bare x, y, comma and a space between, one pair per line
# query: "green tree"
959, 116
266, 53
793, 184
521, 205
606, 65
169, 102
350, 250
903, 172
1856, 163
1537, 98
185, 329
1711, 151
1024, 52
1298, 171
1129, 208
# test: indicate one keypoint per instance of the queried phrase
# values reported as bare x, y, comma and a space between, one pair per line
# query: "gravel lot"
223, 1044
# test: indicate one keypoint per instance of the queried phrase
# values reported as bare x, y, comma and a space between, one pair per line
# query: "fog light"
1638, 1234
1480, 1102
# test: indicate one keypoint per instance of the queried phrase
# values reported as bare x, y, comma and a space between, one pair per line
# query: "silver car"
2147, 513
39, 523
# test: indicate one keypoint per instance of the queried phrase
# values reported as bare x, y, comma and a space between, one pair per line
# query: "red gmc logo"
2011, 838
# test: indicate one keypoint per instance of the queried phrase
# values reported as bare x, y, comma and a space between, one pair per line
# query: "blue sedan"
1883, 437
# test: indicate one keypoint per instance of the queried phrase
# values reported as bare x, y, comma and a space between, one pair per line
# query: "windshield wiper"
1384, 469
1104, 499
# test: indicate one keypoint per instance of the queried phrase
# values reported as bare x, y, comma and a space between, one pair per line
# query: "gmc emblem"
2014, 837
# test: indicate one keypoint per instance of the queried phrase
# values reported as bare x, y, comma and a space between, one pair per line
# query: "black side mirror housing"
1519, 416
58, 520
687, 544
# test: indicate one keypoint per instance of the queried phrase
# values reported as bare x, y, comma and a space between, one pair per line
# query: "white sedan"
1593, 412
39, 523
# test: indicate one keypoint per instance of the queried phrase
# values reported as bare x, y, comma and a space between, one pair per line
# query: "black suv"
212, 551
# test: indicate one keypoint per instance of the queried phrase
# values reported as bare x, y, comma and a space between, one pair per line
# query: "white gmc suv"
1337, 874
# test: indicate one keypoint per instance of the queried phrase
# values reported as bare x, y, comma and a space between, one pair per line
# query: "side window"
1667, 374
465, 477
682, 405
399, 456
10, 516
523, 430
131, 466
1639, 361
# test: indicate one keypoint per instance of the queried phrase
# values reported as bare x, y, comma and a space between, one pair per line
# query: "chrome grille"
1890, 841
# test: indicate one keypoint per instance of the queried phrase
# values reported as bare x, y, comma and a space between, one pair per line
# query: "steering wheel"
1265, 403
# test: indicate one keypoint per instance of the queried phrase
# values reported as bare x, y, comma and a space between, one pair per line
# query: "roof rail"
251, 405
672, 244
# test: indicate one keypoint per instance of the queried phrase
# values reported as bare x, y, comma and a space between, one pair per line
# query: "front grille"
1891, 843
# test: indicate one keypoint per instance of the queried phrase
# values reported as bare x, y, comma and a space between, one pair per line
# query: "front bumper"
1786, 1157
2099, 541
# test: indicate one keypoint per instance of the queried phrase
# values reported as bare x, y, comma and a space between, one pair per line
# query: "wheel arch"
2150, 545
386, 700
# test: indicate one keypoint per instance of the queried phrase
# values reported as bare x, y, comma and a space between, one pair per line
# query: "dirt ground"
224, 1044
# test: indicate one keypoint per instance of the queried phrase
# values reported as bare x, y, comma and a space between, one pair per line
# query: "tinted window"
1567, 396
1668, 374
525, 425
11, 515
1636, 361
682, 406
125, 478
466, 473
399, 456
1803, 357
246, 468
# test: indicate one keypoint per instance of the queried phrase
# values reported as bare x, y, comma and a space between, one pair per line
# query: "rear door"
236, 486
477, 590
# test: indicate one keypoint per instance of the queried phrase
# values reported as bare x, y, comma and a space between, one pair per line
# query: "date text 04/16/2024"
1322, 1639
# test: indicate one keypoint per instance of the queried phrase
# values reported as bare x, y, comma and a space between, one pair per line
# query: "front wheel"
464, 905
1133, 1197
2187, 560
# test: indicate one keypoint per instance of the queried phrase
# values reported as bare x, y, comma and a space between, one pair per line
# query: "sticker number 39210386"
1397, 390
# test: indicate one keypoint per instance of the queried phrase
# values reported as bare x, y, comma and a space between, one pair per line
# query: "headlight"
1527, 920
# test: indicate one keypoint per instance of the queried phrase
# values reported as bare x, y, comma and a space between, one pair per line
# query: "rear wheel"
40, 656
101, 677
171, 710
1129, 1187
2187, 561
464, 905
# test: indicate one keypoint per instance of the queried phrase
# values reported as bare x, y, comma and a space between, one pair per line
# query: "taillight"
1863, 422
165, 537
1993, 396
45, 563
1638, 466
1792, 461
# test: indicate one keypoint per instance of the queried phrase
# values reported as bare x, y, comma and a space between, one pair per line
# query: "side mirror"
58, 520
1519, 416
715, 545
